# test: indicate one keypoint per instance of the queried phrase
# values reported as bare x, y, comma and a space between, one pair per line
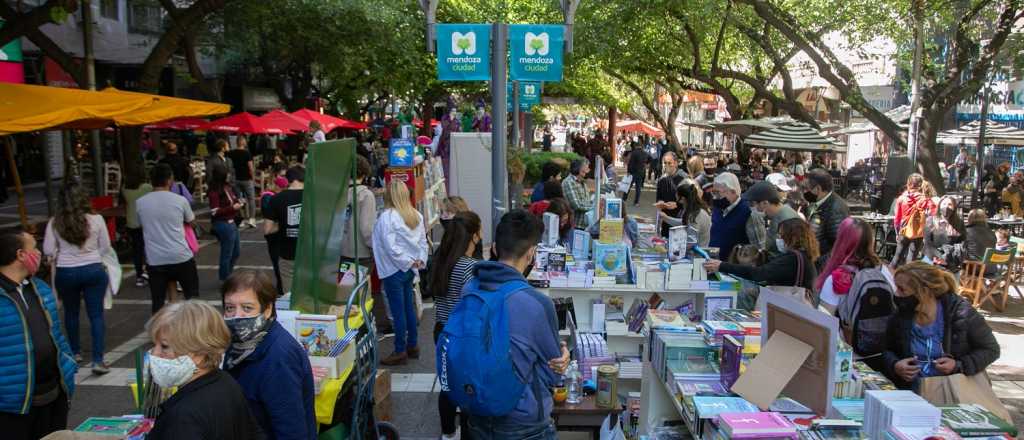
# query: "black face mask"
721, 203
810, 197
906, 304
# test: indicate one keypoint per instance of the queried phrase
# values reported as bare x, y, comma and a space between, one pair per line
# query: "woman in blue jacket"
266, 360
37, 369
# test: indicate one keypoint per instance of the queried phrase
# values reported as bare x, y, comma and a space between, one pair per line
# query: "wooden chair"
980, 289
1017, 269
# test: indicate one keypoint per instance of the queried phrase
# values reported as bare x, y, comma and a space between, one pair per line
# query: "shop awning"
995, 134
327, 122
165, 108
284, 121
796, 136
639, 127
182, 124
242, 123
25, 108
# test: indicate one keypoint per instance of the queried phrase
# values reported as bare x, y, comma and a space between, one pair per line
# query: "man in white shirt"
318, 132
163, 215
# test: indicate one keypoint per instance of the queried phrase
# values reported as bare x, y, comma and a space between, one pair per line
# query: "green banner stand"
329, 170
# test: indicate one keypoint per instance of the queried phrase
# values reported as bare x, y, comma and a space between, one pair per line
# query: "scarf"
246, 335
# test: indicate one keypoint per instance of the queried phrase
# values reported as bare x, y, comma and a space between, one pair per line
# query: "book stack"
682, 356
708, 408
940, 433
759, 425
630, 367
973, 420
646, 234
832, 429
127, 427
901, 408
850, 409
714, 331
669, 320
580, 275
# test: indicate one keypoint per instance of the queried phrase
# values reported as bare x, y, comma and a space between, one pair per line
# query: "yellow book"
611, 230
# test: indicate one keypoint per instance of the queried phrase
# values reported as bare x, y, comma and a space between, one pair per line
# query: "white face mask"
171, 372
781, 244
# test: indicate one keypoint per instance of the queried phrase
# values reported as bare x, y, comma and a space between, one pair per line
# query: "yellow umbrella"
25, 108
164, 108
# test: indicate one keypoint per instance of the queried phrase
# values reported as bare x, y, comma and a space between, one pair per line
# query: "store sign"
529, 95
11, 52
11, 69
464, 52
1005, 103
536, 52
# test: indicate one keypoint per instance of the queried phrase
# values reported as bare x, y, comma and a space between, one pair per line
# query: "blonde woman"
400, 247
189, 341
935, 331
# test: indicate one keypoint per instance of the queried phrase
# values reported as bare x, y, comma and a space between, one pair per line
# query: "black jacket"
976, 240
637, 164
965, 336
779, 271
826, 220
212, 407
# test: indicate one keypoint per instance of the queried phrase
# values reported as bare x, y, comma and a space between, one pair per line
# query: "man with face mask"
37, 370
826, 210
266, 361
671, 177
732, 220
482, 121
766, 201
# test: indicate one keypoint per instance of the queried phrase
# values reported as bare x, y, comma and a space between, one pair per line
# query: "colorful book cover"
701, 388
738, 425
401, 153
677, 243
610, 231
580, 245
732, 352
787, 405
317, 333
666, 319
550, 236
610, 259
109, 425
971, 420
709, 407
612, 208
851, 409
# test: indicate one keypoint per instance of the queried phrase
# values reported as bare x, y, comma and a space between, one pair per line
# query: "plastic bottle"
573, 381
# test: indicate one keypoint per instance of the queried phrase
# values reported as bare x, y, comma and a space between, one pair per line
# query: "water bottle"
574, 382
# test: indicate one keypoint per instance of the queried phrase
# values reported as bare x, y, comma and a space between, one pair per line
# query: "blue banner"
536, 52
464, 52
529, 95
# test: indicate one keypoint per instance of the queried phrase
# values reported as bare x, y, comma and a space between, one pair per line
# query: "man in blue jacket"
533, 329
37, 369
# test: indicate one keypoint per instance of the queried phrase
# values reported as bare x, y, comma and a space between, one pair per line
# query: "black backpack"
865, 310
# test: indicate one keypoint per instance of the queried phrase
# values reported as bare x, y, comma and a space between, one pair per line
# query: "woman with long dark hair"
566, 219
692, 211
453, 268
942, 232
77, 239
224, 210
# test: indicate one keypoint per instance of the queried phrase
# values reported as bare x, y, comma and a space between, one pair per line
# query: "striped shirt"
460, 275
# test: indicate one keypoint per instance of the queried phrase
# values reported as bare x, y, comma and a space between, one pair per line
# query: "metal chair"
979, 288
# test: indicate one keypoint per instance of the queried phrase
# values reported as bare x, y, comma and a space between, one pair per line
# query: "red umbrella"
183, 124
419, 122
327, 122
284, 121
243, 123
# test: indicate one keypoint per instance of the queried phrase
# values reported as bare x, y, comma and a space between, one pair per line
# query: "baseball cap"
730, 181
780, 181
761, 192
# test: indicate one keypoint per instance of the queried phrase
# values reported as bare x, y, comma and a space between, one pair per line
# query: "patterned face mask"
171, 372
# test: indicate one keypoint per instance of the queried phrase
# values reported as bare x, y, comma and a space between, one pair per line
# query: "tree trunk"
927, 158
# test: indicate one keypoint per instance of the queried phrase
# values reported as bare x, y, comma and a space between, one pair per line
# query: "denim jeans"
227, 235
247, 190
499, 428
398, 289
74, 284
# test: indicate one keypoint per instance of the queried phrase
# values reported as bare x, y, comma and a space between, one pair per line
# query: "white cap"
780, 181
730, 181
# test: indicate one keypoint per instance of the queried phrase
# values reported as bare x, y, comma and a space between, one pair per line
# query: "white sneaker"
454, 436
252, 223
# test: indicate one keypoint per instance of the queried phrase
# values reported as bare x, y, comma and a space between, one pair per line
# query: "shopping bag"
958, 388
113, 268
191, 239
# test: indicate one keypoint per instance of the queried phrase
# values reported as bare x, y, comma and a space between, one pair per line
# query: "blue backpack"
474, 360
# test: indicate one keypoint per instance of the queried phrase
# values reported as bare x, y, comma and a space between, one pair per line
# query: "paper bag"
958, 388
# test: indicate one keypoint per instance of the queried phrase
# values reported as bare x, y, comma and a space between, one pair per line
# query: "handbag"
191, 239
959, 388
794, 292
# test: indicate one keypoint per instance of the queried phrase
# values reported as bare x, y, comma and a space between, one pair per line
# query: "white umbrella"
995, 133
797, 136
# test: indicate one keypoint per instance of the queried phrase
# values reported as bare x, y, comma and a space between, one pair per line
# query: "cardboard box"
382, 386
382, 410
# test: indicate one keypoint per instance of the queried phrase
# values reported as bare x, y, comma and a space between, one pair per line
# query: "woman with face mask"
798, 249
942, 232
189, 341
692, 211
935, 331
268, 363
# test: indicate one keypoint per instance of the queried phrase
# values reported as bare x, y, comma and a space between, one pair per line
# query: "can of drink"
607, 386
